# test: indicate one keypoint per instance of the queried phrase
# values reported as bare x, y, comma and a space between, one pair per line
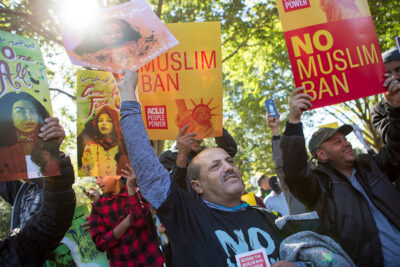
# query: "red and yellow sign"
333, 49
184, 85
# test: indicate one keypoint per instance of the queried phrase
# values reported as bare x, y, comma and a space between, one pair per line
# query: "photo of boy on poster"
101, 147
23, 154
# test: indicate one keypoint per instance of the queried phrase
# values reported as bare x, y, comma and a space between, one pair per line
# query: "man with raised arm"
355, 200
208, 230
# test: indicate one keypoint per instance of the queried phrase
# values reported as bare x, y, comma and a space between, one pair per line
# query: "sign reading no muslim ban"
333, 49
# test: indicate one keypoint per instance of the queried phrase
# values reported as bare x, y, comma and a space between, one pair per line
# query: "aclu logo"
156, 117
290, 5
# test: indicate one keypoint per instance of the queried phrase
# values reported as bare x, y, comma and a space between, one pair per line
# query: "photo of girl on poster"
21, 117
101, 147
113, 42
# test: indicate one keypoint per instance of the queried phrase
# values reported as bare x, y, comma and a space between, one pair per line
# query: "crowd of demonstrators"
38, 231
121, 223
212, 225
355, 199
294, 205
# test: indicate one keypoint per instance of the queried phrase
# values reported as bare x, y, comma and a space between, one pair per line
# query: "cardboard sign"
24, 104
333, 125
255, 258
249, 198
184, 85
101, 147
333, 49
77, 245
124, 37
271, 108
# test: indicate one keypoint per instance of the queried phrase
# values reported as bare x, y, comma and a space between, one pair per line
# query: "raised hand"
52, 130
184, 142
299, 102
273, 123
393, 86
127, 85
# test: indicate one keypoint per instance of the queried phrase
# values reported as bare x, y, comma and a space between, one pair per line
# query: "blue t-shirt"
388, 233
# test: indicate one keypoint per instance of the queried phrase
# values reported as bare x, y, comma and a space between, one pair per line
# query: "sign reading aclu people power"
101, 147
122, 37
333, 49
184, 85
24, 104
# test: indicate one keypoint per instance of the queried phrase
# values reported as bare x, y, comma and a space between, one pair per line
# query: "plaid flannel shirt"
138, 246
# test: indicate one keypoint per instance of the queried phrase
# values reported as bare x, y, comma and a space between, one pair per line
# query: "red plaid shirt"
138, 246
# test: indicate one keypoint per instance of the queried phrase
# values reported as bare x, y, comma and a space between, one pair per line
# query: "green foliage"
5, 218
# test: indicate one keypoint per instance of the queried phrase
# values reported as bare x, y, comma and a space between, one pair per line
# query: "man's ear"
196, 186
322, 156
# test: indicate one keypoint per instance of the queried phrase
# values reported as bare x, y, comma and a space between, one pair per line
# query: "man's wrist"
181, 160
275, 131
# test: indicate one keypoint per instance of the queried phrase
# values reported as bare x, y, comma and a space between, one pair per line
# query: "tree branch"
63, 92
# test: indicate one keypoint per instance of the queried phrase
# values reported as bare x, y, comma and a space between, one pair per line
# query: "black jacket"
380, 119
32, 244
344, 212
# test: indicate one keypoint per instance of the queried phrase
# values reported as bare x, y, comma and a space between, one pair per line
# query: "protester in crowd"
295, 206
23, 153
35, 241
186, 148
121, 223
380, 112
264, 188
276, 199
207, 230
101, 147
26, 197
355, 200
107, 33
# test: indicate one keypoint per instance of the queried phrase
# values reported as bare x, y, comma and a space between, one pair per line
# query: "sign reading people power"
101, 146
333, 49
123, 37
24, 104
184, 85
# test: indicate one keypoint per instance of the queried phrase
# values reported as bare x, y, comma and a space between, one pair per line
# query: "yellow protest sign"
101, 147
184, 85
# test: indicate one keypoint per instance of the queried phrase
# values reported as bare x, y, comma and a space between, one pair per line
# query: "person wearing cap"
354, 198
379, 112
276, 200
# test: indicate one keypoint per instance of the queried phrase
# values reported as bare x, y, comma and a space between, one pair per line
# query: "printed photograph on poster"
77, 247
122, 37
198, 114
24, 105
333, 49
101, 146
